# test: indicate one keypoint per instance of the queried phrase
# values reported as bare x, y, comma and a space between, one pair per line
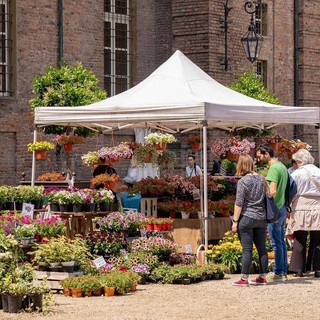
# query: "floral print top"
251, 190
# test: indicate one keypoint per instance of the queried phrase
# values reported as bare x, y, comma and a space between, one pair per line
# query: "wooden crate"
149, 207
53, 278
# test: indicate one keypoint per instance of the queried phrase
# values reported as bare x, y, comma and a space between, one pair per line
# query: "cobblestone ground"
297, 298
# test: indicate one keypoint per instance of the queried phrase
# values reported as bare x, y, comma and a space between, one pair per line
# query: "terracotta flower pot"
68, 147
160, 146
41, 154
232, 156
109, 292
196, 146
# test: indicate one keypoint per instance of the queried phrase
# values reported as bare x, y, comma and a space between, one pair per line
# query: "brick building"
123, 41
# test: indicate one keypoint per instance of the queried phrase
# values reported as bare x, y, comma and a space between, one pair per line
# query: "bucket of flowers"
67, 141
160, 140
40, 148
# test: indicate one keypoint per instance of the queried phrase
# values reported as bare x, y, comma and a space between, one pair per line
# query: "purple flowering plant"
141, 269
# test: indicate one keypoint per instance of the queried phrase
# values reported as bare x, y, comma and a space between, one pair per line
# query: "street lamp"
252, 40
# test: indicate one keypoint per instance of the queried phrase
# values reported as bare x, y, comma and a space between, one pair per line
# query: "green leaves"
66, 86
252, 86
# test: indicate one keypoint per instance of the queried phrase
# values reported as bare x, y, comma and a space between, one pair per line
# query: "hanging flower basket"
68, 147
196, 146
160, 146
232, 156
41, 154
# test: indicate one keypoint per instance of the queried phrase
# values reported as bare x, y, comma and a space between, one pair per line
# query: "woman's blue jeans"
251, 232
277, 238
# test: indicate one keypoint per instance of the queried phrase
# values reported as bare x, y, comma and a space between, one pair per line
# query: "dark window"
260, 20
6, 59
261, 71
117, 53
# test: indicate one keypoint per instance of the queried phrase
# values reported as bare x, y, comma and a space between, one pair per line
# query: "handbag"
272, 211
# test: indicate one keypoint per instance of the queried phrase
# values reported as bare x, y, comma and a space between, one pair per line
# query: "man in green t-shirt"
277, 180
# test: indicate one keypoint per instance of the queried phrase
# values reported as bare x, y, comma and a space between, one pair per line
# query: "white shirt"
305, 186
192, 172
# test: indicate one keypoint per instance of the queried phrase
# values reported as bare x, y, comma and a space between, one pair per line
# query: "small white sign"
99, 262
27, 209
196, 194
188, 248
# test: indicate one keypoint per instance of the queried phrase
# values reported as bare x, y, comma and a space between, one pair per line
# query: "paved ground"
297, 298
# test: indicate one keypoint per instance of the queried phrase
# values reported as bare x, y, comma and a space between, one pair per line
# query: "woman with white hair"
305, 216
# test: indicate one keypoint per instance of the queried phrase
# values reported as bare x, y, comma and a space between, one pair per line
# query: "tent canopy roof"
175, 97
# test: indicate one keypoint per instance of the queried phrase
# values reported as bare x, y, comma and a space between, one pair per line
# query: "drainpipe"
297, 128
60, 32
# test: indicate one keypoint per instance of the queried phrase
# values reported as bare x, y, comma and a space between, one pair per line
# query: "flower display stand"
53, 278
149, 207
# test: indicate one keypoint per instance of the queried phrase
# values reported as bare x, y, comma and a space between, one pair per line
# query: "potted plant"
143, 270
108, 180
3, 196
50, 227
25, 233
228, 167
166, 160
114, 154
40, 148
51, 176
291, 146
194, 140
104, 197
64, 199
67, 141
160, 140
232, 147
77, 198
90, 159
146, 154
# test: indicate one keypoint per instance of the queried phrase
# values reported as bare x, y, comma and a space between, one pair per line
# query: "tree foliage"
250, 85
66, 86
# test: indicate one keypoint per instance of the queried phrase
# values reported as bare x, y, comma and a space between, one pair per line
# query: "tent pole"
205, 185
33, 169
318, 127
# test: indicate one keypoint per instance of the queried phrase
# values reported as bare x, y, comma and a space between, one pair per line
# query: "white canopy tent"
178, 97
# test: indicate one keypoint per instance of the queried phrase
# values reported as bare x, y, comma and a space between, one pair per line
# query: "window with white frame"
261, 71
6, 41
260, 19
117, 46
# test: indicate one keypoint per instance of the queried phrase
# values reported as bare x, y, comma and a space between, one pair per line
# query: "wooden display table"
79, 222
188, 231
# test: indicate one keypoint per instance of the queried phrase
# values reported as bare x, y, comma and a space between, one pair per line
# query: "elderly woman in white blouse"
305, 216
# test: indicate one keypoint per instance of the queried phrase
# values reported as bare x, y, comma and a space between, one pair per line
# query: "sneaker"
258, 281
240, 282
272, 277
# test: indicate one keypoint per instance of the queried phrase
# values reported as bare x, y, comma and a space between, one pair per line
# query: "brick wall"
160, 27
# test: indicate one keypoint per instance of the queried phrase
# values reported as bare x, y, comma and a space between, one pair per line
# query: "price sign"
188, 248
99, 262
27, 209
